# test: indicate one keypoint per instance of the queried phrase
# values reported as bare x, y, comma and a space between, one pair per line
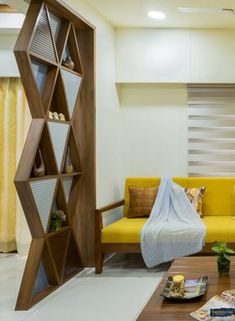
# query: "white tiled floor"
118, 294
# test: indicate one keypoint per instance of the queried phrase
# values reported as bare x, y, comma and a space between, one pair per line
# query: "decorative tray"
193, 288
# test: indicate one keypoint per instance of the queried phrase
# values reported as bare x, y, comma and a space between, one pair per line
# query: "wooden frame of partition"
52, 33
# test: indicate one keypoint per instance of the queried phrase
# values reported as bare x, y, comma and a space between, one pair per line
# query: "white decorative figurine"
61, 116
56, 116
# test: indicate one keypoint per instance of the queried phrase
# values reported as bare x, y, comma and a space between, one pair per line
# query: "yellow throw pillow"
195, 196
141, 200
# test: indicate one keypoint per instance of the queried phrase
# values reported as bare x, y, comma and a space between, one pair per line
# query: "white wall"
153, 114
153, 118
8, 66
175, 55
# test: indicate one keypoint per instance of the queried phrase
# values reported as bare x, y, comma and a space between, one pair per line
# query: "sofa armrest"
98, 227
98, 212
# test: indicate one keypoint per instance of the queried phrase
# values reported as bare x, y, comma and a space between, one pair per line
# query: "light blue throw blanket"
173, 229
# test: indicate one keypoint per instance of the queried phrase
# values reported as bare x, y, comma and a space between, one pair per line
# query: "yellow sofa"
124, 235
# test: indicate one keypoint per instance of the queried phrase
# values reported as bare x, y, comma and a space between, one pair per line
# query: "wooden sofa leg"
99, 263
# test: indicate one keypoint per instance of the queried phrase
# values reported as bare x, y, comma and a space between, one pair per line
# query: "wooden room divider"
55, 179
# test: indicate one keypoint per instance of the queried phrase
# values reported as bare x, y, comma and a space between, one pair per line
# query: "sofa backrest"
219, 197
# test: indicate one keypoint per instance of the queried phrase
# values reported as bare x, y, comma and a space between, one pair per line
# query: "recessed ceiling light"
154, 14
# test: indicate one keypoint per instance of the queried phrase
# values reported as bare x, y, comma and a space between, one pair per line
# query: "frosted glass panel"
67, 184
58, 134
55, 25
43, 192
72, 83
40, 72
41, 281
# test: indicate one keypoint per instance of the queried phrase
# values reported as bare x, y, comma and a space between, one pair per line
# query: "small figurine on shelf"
61, 117
57, 219
38, 166
56, 116
50, 115
68, 63
68, 164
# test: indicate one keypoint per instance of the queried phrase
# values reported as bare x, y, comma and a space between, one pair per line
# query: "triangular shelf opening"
73, 261
72, 164
72, 84
67, 185
55, 23
44, 162
58, 108
44, 75
41, 282
58, 133
71, 190
42, 42
59, 29
59, 214
46, 277
71, 57
43, 193
58, 244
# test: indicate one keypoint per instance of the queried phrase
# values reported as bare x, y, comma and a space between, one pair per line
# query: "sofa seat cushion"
125, 230
219, 228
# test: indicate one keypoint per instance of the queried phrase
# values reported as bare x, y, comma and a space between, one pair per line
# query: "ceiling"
133, 13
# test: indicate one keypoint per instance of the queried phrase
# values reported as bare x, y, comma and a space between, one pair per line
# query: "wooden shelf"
72, 71
71, 174
62, 229
42, 59
58, 121
49, 173
32, 179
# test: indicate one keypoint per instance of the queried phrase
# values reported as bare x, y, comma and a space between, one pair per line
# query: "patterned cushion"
141, 200
195, 196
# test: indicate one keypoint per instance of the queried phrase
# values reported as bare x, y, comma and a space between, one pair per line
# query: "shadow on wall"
151, 94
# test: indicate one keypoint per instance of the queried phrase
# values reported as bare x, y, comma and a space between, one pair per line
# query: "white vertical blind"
211, 130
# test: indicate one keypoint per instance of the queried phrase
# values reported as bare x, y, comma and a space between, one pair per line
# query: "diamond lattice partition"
55, 179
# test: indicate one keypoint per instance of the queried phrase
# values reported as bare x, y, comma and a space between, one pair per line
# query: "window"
211, 130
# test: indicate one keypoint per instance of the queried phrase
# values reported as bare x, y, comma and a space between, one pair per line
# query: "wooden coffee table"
159, 308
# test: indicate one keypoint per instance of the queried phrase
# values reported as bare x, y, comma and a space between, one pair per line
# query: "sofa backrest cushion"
219, 197
146, 182
141, 200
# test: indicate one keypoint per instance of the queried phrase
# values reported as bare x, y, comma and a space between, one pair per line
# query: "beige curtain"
14, 123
